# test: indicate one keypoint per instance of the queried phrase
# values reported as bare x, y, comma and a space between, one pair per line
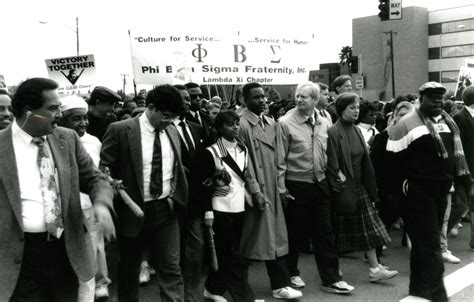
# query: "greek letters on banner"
75, 75
226, 58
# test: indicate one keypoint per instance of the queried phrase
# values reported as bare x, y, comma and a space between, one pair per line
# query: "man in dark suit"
198, 212
196, 115
145, 153
44, 242
465, 121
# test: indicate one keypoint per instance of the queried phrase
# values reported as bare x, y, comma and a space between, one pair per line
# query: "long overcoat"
264, 236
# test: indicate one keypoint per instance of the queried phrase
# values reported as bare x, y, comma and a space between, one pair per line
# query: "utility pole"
391, 59
124, 83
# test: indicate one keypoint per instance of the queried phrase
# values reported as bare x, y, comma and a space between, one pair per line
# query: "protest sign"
75, 75
465, 78
227, 58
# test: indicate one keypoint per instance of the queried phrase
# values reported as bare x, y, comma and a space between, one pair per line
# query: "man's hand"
259, 200
208, 222
285, 198
104, 219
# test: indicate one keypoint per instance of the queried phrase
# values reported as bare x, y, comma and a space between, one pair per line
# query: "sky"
33, 30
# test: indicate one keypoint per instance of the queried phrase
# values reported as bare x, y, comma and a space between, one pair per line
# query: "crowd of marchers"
193, 189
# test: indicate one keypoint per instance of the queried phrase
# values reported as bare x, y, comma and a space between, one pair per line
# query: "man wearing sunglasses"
196, 115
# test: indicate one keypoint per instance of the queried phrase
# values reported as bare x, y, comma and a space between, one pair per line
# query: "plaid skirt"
362, 230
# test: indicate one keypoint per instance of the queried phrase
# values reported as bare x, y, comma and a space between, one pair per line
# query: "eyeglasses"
196, 96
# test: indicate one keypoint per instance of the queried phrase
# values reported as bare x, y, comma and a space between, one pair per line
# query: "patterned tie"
261, 122
156, 181
323, 114
188, 140
49, 191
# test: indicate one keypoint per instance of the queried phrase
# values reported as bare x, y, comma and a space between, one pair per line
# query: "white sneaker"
448, 257
218, 298
340, 287
297, 282
144, 277
454, 232
102, 291
287, 293
380, 273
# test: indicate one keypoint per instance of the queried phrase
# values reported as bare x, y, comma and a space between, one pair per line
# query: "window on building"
433, 53
434, 29
433, 76
449, 76
460, 25
457, 51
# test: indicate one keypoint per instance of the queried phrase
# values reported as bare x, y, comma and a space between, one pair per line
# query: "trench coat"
264, 236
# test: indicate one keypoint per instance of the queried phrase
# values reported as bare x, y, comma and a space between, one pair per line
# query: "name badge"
442, 128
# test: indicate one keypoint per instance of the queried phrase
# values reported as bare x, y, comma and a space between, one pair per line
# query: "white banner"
227, 58
75, 75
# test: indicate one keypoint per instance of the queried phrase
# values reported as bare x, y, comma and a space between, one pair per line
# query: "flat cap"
104, 94
432, 88
73, 102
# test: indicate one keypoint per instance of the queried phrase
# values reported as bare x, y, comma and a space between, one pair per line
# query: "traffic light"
384, 8
355, 64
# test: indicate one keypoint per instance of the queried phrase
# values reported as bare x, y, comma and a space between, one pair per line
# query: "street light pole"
74, 30
77, 35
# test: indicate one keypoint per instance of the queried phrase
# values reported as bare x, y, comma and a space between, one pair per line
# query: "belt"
43, 236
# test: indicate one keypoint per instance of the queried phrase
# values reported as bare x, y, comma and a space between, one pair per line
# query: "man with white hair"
74, 110
301, 139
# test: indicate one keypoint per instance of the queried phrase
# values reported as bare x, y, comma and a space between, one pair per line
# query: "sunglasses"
196, 96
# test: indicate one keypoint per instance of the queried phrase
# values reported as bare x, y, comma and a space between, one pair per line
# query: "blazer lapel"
345, 149
9, 173
469, 117
174, 137
135, 146
257, 130
59, 150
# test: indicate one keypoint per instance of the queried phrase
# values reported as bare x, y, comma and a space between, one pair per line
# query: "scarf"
460, 160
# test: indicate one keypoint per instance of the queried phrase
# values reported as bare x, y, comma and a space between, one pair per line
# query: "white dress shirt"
367, 131
188, 130
92, 146
147, 132
26, 154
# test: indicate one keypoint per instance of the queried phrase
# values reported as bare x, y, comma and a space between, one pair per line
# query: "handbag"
344, 201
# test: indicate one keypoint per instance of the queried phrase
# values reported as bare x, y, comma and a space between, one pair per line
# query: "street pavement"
355, 271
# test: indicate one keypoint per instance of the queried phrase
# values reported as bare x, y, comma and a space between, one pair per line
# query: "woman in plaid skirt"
357, 226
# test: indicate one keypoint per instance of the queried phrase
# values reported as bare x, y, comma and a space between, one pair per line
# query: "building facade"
427, 45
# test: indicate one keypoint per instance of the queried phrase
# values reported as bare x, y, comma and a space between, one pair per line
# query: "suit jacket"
465, 122
197, 204
122, 154
264, 235
339, 158
76, 172
207, 126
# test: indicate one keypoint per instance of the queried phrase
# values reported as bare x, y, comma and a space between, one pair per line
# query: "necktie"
198, 117
49, 191
310, 122
188, 140
262, 123
156, 181
323, 114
